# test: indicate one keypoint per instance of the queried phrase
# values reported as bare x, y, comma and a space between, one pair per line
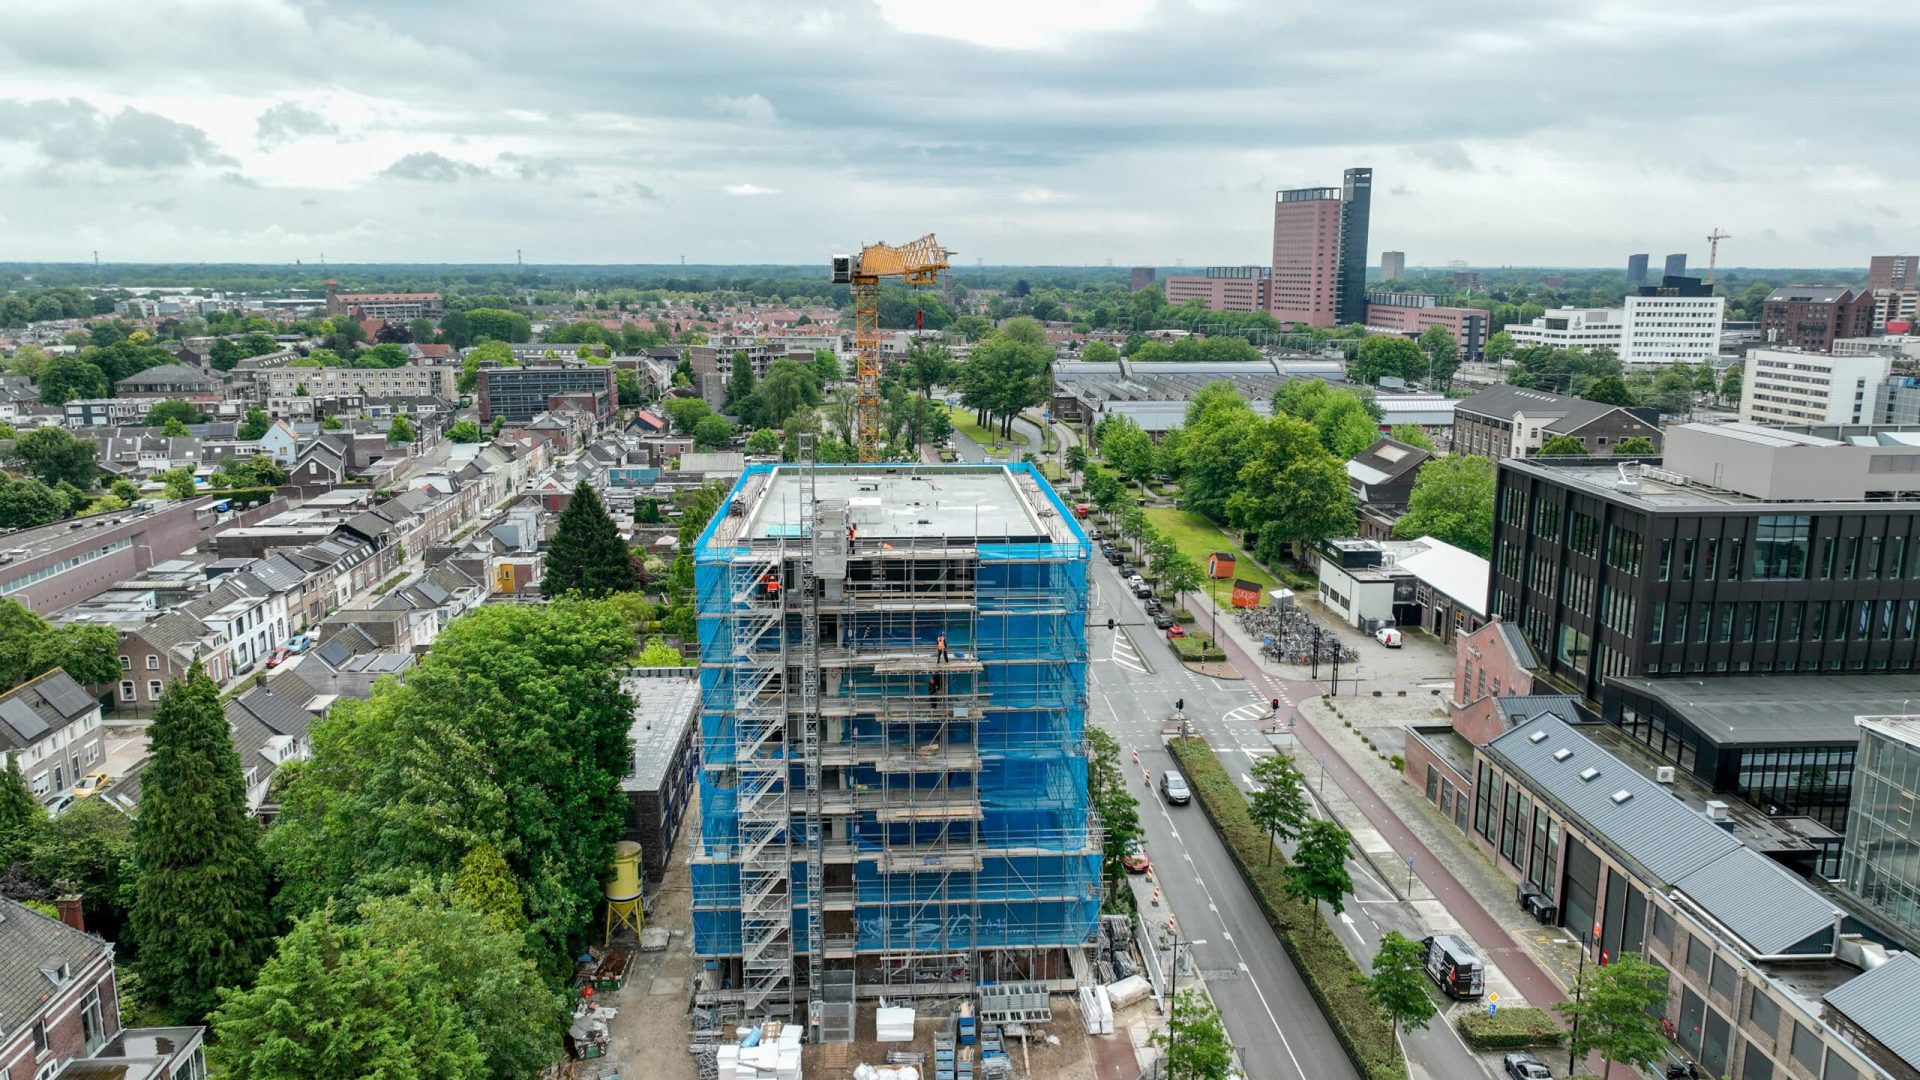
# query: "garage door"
1581, 886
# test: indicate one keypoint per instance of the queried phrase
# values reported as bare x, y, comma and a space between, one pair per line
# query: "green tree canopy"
177, 482
686, 412
1290, 489
1318, 873
1443, 355
31, 646
21, 815
1413, 435
173, 409
1635, 446
1561, 445
1099, 352
55, 456
1613, 1013
200, 903
1609, 390
587, 555
490, 352
1194, 1041
1398, 986
1452, 501
1279, 800
1384, 355
25, 503
712, 432
400, 429
255, 425
498, 325
465, 431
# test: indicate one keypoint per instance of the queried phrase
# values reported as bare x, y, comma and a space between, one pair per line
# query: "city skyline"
1067, 135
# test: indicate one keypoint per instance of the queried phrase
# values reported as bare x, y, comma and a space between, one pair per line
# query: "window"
92, 1031
1712, 566
1873, 558
1659, 622
40, 1036
1433, 784
1686, 559
153, 662
1666, 558
1726, 621
126, 662
1764, 1013
1826, 557
1780, 547
1852, 568
1663, 927
1482, 798
1839, 1069
1699, 958
1725, 979
126, 690
1758, 1067
1807, 1049
153, 689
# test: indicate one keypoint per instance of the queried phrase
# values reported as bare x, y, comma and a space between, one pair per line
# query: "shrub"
1519, 1028
1324, 964
1397, 762
1196, 650
1180, 615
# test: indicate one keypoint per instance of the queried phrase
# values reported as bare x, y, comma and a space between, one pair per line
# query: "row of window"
1780, 620
1526, 836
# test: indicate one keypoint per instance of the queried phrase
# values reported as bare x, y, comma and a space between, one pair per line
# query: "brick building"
1222, 288
1511, 421
1812, 316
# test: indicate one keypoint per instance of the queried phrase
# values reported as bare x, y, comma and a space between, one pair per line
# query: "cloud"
1447, 156
1036, 195
1844, 234
429, 167
749, 189
72, 132
635, 191
529, 167
753, 108
288, 121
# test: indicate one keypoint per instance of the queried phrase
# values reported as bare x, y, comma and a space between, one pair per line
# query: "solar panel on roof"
22, 719
67, 697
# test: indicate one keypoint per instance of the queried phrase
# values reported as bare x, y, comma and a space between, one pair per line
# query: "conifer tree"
200, 905
21, 815
587, 555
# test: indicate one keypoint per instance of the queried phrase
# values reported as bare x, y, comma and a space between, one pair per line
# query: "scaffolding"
893, 725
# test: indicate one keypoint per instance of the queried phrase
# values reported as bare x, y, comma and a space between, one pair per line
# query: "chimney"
70, 913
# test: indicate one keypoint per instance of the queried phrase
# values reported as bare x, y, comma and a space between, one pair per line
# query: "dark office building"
1677, 286
521, 393
1812, 316
1750, 551
1141, 277
1676, 265
1636, 270
1356, 209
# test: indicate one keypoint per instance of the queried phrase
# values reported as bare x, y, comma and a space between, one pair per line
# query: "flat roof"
1771, 710
902, 501
664, 706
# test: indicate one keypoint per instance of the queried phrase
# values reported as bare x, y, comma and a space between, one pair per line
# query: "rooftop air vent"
1587, 774
1562, 754
1620, 797
1537, 737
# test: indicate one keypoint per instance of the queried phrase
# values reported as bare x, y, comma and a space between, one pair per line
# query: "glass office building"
1880, 862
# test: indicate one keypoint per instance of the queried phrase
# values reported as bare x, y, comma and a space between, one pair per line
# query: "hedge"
1180, 615
1324, 964
1520, 1028
1195, 650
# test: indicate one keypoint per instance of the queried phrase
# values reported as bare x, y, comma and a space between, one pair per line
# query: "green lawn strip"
1197, 538
1324, 964
1522, 1028
964, 423
1049, 442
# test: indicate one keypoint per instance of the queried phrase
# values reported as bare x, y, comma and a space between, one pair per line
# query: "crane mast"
916, 263
1713, 251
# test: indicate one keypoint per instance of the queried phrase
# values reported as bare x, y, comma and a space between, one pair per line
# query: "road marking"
1348, 920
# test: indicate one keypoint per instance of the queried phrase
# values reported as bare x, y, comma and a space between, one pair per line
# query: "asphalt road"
1135, 683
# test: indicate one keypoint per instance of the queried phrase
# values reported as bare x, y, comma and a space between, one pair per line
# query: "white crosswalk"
1126, 656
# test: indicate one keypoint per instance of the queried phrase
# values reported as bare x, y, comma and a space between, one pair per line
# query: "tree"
712, 432
659, 654
255, 425
28, 361
740, 386
626, 383
587, 555
21, 815
1562, 444
1609, 390
787, 389
331, 1006
826, 366
1452, 501
1127, 448
26, 503
1220, 428
1387, 355
31, 646
1730, 384
1443, 355
1611, 1013
485, 883
1289, 488
686, 412
1113, 801
56, 457
178, 482
87, 850
1279, 800
69, 378
1398, 986
1178, 573
928, 365
1076, 459
400, 430
465, 431
763, 441
260, 470
498, 325
175, 411
1635, 446
1412, 435
1194, 1041
1499, 347
200, 904
1099, 352
490, 352
1318, 873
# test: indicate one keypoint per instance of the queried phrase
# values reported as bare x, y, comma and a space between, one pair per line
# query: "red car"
279, 655
1176, 631
1135, 859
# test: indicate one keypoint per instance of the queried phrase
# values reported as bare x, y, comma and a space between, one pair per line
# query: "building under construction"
894, 769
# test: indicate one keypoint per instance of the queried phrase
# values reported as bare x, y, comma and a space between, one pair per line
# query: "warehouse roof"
1885, 1003
1771, 710
664, 705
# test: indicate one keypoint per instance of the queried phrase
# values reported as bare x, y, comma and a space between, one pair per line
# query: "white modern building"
1895, 305
1647, 331
1789, 387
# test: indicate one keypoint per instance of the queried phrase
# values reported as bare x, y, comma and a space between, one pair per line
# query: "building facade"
400, 307
1412, 313
1393, 265
1636, 270
1750, 550
1894, 272
1676, 265
1140, 277
409, 381
520, 393
51, 726
1880, 862
1305, 285
1812, 316
1222, 288
1356, 216
893, 711
1791, 387
1511, 421
1659, 327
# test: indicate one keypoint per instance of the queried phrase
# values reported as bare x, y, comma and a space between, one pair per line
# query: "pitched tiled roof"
30, 945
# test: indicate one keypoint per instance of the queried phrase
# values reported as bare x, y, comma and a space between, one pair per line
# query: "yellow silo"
623, 892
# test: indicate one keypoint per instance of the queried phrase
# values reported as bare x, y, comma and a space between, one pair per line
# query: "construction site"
893, 794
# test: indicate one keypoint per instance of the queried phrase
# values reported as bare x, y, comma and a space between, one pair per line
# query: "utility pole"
1173, 986
1713, 251
1575, 1033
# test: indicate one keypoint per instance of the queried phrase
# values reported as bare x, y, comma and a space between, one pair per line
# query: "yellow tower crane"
917, 263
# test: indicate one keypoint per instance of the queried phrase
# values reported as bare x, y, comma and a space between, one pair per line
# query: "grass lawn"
1197, 538
963, 422
1049, 442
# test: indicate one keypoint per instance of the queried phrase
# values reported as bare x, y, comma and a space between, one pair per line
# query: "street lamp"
1173, 988
1585, 940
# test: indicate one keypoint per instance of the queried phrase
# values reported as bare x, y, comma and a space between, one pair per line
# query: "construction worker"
940, 644
772, 586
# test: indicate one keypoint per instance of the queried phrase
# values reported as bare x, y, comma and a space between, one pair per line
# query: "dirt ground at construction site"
1071, 1059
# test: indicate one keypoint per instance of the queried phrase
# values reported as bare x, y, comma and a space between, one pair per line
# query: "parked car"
279, 657
1388, 636
58, 804
1524, 1066
299, 643
90, 785
1135, 579
1162, 621
1154, 607
1176, 631
1115, 557
1173, 787
1143, 590
1135, 859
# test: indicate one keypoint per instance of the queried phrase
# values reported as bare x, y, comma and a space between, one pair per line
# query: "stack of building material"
1096, 1010
893, 1024
768, 1052
872, 1072
1125, 992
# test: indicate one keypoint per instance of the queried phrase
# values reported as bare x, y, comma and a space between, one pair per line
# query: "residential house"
270, 727
1511, 421
51, 725
1382, 478
104, 412
172, 381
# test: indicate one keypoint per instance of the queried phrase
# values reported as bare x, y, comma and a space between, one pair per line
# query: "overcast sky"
1550, 132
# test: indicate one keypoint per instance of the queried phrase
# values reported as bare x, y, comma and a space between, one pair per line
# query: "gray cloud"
432, 168
289, 120
1844, 233
72, 132
530, 167
1446, 156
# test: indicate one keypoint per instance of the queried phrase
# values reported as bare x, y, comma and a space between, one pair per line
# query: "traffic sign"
1492, 1007
1493, 997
